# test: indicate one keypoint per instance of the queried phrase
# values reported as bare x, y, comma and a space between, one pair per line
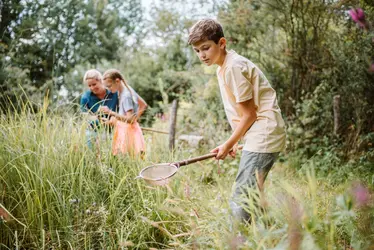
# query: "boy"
251, 107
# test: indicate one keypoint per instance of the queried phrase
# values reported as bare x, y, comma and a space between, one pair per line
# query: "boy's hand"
232, 152
221, 151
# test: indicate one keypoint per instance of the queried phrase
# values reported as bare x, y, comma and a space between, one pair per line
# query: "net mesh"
159, 171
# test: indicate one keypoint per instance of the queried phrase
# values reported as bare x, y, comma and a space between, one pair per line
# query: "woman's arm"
88, 114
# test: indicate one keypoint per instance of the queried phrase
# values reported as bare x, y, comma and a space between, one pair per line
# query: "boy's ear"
222, 43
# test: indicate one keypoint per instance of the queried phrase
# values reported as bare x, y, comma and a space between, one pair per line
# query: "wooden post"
173, 122
336, 105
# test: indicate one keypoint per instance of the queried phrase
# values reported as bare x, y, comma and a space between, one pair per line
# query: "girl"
128, 136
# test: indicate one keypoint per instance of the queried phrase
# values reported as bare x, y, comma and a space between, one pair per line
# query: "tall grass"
58, 194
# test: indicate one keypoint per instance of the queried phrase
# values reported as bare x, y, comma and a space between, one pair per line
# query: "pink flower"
361, 195
371, 68
358, 15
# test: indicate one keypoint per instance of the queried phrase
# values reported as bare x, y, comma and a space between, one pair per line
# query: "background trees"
54, 193
311, 51
43, 40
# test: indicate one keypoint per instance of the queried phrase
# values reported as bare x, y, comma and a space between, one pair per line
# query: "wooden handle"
196, 159
199, 158
154, 130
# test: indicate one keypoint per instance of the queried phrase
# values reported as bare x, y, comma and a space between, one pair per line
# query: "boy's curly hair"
205, 29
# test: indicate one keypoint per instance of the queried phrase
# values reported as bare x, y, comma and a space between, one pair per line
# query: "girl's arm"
130, 117
142, 106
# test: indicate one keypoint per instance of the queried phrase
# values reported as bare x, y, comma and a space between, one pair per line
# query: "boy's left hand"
233, 151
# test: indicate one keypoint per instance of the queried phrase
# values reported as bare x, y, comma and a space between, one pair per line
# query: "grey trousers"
253, 169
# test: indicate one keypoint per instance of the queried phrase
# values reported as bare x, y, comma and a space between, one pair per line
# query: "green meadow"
58, 194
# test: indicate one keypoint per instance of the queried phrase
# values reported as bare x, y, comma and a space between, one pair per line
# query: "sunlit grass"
58, 194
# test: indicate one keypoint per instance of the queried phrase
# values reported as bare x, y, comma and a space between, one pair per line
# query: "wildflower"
361, 195
187, 191
371, 68
237, 242
4, 215
358, 16
74, 201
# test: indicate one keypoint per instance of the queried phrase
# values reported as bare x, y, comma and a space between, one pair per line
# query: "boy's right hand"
222, 151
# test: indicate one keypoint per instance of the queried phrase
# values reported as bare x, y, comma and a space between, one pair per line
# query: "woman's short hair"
92, 74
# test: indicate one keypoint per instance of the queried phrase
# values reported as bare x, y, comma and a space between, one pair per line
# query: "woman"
91, 101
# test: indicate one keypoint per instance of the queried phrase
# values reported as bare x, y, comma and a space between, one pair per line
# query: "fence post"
336, 105
173, 122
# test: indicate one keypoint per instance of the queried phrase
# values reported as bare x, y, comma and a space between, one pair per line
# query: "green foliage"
309, 55
288, 44
66, 196
58, 194
312, 119
61, 196
353, 82
46, 39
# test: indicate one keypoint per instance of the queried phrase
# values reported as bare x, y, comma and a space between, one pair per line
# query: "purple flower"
361, 195
358, 15
371, 68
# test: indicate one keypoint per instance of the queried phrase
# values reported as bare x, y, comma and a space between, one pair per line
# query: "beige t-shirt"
241, 80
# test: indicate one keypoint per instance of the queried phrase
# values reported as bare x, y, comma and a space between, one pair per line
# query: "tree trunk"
173, 122
336, 105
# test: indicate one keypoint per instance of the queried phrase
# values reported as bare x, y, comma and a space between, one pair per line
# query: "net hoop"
172, 170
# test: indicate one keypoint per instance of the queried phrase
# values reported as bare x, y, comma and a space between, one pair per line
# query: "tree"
43, 40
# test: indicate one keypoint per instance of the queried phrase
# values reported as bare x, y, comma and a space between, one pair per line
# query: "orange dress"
128, 139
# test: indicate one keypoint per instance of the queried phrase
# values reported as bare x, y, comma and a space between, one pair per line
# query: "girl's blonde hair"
92, 74
113, 74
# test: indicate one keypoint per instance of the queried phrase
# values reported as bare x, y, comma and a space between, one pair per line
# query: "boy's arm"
248, 109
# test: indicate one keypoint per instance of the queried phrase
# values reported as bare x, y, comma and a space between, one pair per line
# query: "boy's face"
209, 52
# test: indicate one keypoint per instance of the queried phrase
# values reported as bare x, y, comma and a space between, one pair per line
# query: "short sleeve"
127, 102
237, 81
84, 103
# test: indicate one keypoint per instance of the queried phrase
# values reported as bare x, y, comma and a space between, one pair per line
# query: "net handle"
195, 159
199, 158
